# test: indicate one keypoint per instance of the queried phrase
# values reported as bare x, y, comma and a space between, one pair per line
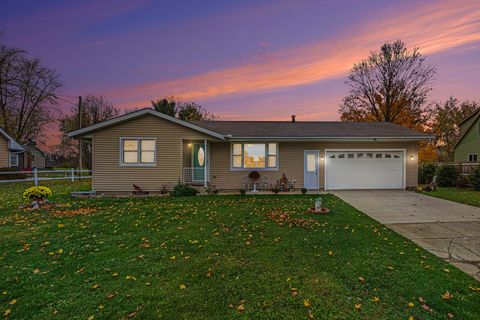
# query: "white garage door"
364, 169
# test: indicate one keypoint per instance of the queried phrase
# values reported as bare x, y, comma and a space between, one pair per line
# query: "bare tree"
391, 86
95, 109
28, 94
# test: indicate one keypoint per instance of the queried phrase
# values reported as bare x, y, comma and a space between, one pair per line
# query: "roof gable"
137, 114
12, 144
471, 125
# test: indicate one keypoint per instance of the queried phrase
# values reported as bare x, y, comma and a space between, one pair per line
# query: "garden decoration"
39, 195
318, 207
254, 176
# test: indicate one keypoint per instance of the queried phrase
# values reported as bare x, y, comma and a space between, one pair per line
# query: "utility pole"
80, 149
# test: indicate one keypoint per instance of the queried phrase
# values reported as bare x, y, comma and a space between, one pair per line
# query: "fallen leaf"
306, 303
358, 306
12, 302
447, 295
241, 307
375, 299
361, 279
450, 315
411, 305
330, 253
294, 292
7, 312
183, 287
95, 286
310, 314
446, 270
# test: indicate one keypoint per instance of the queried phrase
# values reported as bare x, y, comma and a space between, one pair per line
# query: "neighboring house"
10, 152
467, 149
151, 149
33, 157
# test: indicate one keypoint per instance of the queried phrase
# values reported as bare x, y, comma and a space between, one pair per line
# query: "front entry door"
198, 162
311, 169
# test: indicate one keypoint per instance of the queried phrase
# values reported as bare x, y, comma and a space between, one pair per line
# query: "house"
10, 151
151, 150
33, 157
467, 148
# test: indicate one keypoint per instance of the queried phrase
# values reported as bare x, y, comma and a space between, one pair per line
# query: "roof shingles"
309, 129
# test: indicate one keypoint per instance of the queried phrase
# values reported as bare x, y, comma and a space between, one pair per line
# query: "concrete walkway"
448, 229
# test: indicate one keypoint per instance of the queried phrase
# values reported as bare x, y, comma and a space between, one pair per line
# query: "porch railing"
193, 175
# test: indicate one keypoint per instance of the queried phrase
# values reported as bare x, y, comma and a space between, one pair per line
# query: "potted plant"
254, 176
38, 193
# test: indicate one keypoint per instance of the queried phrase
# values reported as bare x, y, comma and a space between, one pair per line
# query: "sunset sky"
240, 59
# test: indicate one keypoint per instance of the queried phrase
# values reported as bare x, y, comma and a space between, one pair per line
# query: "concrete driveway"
448, 229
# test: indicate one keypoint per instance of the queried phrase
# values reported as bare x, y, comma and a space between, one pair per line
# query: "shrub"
462, 181
275, 189
475, 178
304, 190
37, 192
164, 189
447, 176
182, 190
13, 176
426, 171
242, 192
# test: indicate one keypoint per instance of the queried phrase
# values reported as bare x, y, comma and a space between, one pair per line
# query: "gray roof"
12, 144
310, 129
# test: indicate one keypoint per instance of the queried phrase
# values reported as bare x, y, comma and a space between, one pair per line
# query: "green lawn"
467, 196
216, 257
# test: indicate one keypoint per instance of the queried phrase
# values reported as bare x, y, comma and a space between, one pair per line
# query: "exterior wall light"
189, 145
412, 157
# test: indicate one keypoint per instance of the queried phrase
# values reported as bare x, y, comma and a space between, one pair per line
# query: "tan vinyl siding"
470, 144
4, 152
291, 160
111, 176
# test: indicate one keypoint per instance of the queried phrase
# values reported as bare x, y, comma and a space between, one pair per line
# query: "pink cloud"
433, 27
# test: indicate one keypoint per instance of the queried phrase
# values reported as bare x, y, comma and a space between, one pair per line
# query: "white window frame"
11, 164
472, 154
139, 151
266, 168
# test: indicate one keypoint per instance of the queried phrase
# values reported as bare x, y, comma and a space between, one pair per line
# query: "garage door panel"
364, 169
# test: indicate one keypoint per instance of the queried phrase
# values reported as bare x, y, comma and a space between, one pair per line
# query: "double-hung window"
13, 159
472, 157
255, 156
138, 151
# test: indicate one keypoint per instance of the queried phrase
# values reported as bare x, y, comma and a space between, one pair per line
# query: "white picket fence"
36, 175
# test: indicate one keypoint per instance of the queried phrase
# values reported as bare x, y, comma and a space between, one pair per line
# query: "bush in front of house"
447, 176
463, 182
12, 176
242, 192
426, 171
182, 190
304, 190
475, 179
